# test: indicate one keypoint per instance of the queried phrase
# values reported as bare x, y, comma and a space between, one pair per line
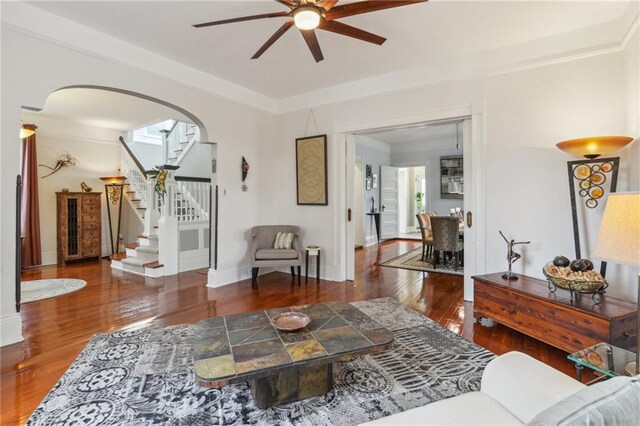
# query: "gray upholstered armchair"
263, 253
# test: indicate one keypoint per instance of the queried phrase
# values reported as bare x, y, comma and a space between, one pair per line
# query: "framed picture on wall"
367, 173
374, 181
311, 171
368, 184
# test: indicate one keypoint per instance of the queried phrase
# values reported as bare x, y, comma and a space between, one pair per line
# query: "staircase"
140, 258
182, 212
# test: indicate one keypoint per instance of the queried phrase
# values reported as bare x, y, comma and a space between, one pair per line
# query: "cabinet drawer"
88, 208
91, 217
91, 251
89, 226
91, 234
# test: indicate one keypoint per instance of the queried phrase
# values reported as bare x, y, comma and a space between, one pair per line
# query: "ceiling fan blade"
289, 3
366, 7
312, 42
283, 29
328, 4
349, 31
244, 18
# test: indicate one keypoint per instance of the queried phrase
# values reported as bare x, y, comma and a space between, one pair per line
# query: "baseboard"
194, 261
49, 258
221, 277
370, 241
11, 329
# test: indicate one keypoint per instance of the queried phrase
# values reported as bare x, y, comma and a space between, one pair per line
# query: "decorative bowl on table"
290, 321
575, 281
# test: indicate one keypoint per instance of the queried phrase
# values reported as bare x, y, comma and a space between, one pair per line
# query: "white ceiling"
105, 109
415, 134
418, 35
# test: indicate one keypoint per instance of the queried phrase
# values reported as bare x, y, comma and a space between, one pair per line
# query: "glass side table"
604, 358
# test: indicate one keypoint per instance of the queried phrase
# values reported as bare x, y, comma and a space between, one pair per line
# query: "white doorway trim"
474, 158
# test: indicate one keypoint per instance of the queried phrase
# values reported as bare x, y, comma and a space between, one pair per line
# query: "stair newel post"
151, 216
168, 233
165, 145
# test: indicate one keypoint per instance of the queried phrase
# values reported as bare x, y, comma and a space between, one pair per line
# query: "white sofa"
516, 389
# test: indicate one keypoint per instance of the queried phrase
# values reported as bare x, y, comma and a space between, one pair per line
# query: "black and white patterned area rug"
412, 260
145, 377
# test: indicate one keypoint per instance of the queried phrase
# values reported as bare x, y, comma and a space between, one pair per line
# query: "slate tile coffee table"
283, 366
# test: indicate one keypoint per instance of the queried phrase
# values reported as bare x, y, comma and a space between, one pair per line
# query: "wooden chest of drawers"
79, 226
527, 305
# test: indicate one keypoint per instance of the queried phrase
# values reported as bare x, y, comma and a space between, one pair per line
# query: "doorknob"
348, 215
382, 208
469, 219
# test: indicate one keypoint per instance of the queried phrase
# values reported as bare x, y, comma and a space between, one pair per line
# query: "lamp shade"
595, 146
618, 239
113, 179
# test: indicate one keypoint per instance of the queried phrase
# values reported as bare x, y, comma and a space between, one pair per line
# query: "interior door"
350, 147
389, 217
470, 215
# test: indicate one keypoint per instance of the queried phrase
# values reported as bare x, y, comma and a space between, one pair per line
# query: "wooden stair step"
153, 265
118, 256
141, 208
131, 192
136, 199
132, 245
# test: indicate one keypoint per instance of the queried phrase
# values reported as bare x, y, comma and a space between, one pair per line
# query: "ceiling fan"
308, 15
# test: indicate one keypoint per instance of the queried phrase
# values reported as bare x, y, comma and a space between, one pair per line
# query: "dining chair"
445, 231
424, 221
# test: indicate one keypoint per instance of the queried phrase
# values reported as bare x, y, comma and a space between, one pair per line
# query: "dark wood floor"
56, 330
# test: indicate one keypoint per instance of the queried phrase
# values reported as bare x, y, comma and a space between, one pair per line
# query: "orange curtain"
30, 219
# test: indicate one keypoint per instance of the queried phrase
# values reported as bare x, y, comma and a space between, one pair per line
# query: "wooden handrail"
135, 159
192, 179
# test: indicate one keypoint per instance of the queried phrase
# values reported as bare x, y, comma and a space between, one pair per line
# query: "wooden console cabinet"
527, 305
79, 226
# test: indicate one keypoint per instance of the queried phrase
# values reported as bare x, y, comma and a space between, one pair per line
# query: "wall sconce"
591, 175
113, 186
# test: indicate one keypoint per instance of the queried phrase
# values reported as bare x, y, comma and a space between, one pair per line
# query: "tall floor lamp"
113, 192
618, 241
592, 175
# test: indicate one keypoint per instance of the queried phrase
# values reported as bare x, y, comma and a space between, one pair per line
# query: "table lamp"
618, 241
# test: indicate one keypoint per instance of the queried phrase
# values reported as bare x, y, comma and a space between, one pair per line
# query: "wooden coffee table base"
290, 386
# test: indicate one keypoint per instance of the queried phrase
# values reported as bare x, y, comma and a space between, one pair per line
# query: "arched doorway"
92, 124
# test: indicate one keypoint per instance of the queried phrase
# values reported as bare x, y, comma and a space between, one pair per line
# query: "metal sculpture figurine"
512, 257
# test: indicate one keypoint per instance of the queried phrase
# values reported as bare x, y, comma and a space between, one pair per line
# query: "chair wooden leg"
299, 276
254, 277
423, 247
293, 271
455, 260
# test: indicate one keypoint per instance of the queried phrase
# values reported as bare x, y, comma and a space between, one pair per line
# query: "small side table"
604, 358
376, 221
315, 252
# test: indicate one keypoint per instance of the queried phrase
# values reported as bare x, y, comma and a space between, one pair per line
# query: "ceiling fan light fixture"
306, 17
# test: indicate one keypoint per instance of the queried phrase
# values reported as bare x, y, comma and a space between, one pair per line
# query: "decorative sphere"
561, 261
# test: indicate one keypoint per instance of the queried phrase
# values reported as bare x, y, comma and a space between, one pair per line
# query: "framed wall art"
311, 171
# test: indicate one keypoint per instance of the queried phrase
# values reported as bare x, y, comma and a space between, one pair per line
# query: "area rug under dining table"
412, 260
145, 377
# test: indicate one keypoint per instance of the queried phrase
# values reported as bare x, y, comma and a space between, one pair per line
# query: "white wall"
149, 155
431, 159
525, 114
32, 68
97, 152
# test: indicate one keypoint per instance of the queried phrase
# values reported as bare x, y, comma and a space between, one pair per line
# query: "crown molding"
55, 29
583, 43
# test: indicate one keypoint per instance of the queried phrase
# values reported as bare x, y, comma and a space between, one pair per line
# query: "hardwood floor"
56, 330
